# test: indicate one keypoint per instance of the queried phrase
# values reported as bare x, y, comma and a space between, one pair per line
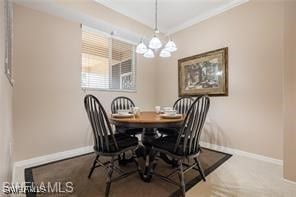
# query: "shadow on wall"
214, 134
89, 135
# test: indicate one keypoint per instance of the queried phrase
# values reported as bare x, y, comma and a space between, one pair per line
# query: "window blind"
107, 63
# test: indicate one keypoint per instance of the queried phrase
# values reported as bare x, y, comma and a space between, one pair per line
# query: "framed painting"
206, 73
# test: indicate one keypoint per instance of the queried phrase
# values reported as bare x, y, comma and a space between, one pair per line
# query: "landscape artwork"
205, 73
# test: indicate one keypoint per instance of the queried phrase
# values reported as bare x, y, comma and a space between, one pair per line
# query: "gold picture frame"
205, 73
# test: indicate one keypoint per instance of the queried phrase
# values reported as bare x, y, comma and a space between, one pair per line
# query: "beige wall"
290, 92
5, 111
96, 10
49, 115
48, 111
250, 118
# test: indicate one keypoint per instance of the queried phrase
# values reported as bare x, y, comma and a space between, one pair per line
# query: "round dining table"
149, 121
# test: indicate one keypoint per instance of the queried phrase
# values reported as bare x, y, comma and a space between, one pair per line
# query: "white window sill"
108, 90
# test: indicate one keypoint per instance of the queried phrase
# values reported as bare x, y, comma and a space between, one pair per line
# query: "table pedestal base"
148, 136
146, 153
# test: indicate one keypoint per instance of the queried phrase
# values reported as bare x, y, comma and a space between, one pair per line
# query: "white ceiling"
173, 15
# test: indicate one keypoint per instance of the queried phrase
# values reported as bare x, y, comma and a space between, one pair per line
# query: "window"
8, 39
107, 63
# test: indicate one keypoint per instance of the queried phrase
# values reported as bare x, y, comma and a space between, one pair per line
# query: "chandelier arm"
155, 42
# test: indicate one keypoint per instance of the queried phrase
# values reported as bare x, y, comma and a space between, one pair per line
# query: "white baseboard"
242, 153
50, 158
87, 149
53, 157
83, 150
288, 181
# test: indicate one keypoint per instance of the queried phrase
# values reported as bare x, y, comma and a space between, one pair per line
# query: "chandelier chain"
155, 42
156, 10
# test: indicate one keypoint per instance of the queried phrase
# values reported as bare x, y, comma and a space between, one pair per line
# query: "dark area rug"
76, 169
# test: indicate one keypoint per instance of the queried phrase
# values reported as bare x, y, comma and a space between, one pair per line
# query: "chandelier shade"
155, 43
141, 48
170, 46
165, 53
149, 54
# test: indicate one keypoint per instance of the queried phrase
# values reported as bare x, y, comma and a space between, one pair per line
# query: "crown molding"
184, 25
206, 16
111, 5
48, 6
54, 9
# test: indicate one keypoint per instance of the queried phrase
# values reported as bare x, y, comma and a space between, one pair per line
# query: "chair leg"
200, 169
121, 159
181, 177
93, 166
109, 176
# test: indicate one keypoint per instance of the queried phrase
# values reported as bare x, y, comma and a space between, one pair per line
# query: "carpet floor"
75, 170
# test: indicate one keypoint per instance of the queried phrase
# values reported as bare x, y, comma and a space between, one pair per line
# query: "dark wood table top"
147, 120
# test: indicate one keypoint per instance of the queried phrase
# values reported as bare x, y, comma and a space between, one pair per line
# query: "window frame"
8, 39
134, 63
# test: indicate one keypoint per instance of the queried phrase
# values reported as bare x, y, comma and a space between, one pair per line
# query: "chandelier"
156, 44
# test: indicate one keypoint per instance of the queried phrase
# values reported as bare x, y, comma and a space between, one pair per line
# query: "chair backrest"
183, 104
102, 131
121, 102
192, 126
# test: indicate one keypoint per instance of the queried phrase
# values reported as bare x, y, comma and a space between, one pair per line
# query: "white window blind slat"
107, 63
